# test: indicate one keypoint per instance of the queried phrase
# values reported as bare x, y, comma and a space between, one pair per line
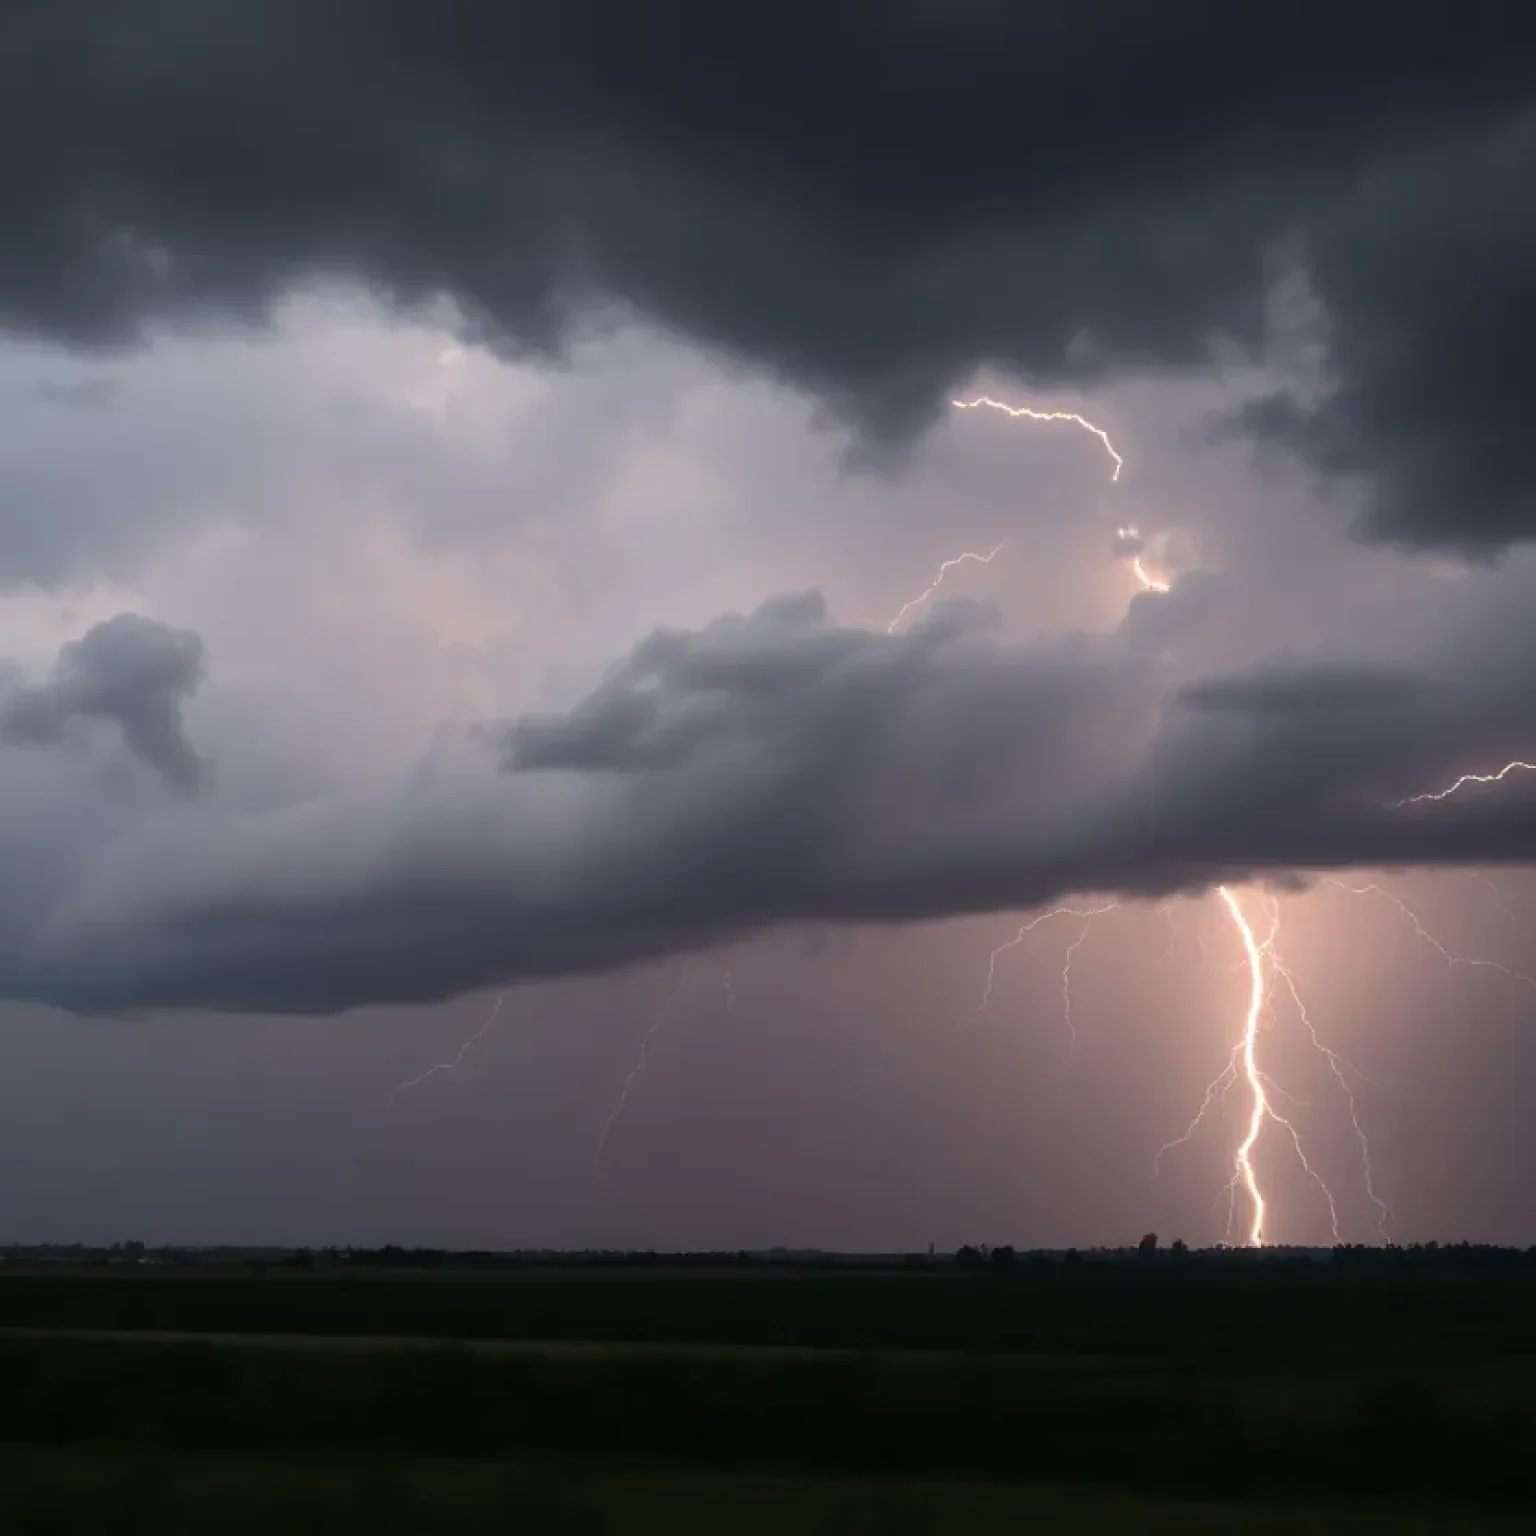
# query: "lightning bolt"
1028, 413
1260, 958
635, 1071
1261, 1109
1451, 958
1066, 981
448, 1066
1165, 910
1264, 965
966, 557
1025, 929
1342, 1070
1463, 782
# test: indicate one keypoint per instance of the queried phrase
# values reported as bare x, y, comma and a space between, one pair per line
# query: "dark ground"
1227, 1395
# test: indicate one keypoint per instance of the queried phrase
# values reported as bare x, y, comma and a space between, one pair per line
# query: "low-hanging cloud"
882, 198
129, 671
766, 770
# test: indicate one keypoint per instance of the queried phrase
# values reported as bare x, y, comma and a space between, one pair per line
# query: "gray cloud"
130, 671
768, 770
879, 199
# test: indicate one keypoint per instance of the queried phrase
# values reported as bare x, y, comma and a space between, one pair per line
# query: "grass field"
1104, 1400
47, 1492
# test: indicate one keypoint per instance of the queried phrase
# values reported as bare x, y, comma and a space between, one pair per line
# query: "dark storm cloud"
768, 770
130, 671
1276, 689
869, 199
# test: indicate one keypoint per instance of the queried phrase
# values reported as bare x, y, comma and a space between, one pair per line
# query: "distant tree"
1179, 1248
1147, 1247
1004, 1259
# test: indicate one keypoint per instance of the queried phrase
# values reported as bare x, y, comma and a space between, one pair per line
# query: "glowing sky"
512, 570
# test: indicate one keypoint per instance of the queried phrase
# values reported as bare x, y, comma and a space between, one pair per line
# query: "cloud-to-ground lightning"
1264, 966
1260, 957
1260, 1109
448, 1066
1342, 1071
965, 557
635, 1071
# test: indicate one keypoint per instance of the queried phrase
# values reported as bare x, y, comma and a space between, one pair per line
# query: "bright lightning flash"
1027, 413
1466, 779
1260, 955
1261, 1110
1264, 965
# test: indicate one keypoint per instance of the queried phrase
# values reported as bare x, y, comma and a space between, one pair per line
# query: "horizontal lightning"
1030, 414
1463, 782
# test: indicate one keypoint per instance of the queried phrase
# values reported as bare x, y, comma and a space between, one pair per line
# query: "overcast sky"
471, 481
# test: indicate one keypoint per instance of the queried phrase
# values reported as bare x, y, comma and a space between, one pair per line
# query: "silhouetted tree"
1147, 1247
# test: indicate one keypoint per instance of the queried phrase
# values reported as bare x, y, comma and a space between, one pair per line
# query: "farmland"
1049, 1392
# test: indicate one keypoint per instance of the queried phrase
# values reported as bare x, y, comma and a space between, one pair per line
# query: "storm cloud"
129, 671
773, 769
868, 201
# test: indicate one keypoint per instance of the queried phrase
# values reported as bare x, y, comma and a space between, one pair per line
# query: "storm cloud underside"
769, 770
865, 200
866, 203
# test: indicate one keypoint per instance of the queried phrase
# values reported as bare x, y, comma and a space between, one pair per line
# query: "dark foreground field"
1105, 1398
51, 1491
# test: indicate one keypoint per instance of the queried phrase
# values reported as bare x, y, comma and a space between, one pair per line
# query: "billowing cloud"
766, 770
131, 672
868, 201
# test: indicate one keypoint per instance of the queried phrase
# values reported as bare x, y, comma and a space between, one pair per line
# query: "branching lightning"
1261, 959
1265, 966
1025, 929
448, 1066
1266, 969
1452, 959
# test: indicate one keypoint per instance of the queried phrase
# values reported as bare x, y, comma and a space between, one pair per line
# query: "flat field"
46, 1491
1104, 1398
